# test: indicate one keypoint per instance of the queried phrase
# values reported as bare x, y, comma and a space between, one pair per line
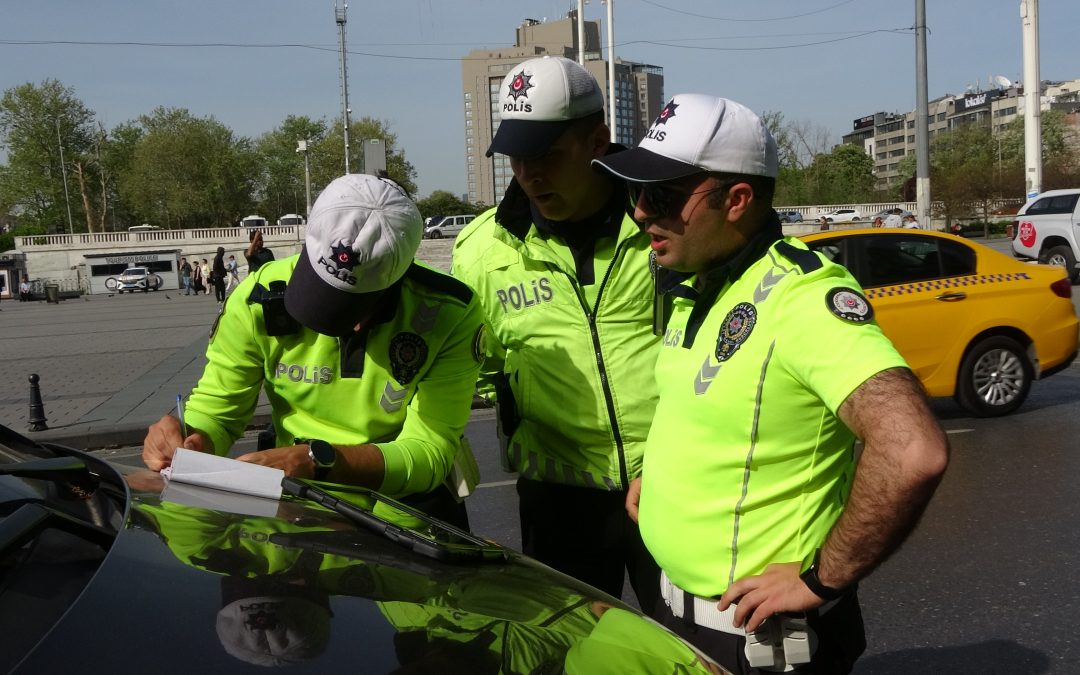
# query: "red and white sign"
1027, 233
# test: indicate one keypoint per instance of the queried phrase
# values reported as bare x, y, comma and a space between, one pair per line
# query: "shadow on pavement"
993, 656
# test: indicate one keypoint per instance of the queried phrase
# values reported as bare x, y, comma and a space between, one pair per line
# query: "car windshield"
60, 512
135, 271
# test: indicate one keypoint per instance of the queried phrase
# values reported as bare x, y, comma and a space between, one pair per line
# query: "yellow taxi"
972, 323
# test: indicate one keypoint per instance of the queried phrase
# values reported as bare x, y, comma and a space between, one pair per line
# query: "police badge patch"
478, 345
408, 352
849, 305
736, 328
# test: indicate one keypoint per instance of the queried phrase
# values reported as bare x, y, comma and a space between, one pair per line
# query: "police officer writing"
772, 366
368, 359
563, 275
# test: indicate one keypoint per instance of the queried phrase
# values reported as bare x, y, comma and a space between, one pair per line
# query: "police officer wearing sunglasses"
772, 366
563, 275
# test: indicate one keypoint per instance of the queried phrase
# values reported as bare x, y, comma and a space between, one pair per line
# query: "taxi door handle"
952, 297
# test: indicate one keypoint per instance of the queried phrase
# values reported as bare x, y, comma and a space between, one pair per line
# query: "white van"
143, 228
291, 219
253, 222
447, 226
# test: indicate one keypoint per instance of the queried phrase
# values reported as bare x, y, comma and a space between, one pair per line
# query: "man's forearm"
359, 465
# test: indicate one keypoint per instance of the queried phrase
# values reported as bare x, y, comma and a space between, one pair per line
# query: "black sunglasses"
664, 199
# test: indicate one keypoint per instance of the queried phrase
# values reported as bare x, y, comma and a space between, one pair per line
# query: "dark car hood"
187, 588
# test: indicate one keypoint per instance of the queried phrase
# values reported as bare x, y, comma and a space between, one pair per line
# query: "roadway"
985, 585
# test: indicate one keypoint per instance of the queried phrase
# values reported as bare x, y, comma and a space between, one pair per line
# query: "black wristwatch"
810, 578
323, 455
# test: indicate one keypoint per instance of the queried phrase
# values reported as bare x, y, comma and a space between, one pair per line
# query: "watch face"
323, 452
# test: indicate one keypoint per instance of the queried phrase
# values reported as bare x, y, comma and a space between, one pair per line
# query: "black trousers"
586, 533
841, 639
219, 289
439, 503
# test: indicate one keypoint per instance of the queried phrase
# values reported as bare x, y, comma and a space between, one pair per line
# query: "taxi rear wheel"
995, 377
1062, 256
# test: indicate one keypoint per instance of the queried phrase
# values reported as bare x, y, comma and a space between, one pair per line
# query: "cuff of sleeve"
411, 468
218, 436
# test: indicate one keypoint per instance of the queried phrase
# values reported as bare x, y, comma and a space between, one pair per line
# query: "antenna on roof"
1002, 82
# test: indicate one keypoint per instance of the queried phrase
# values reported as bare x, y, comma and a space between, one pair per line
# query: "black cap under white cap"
695, 133
362, 235
538, 100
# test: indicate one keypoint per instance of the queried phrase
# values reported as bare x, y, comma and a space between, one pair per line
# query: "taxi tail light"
1062, 287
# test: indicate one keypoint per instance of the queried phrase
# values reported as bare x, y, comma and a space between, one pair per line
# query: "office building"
889, 137
639, 94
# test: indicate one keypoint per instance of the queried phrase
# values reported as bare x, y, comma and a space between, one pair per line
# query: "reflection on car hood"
192, 588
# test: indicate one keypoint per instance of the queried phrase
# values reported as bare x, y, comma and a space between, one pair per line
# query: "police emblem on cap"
667, 113
408, 352
520, 86
849, 305
343, 256
736, 328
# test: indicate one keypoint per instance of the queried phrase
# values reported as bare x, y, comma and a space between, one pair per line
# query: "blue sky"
839, 60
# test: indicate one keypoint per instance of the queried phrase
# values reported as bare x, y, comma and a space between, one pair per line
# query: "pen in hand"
180, 414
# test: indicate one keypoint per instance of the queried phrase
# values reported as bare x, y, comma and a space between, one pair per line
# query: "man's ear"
600, 139
740, 200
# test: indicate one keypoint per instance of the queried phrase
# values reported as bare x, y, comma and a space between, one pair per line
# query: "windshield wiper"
70, 470
436, 539
30, 519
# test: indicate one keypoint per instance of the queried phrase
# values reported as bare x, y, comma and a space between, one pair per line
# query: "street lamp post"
63, 171
302, 146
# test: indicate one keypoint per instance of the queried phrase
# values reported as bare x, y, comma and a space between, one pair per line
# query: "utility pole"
340, 19
302, 146
63, 171
581, 32
1029, 15
611, 66
922, 120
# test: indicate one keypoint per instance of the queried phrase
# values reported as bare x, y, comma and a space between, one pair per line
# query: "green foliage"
189, 172
167, 167
34, 122
443, 203
279, 186
844, 175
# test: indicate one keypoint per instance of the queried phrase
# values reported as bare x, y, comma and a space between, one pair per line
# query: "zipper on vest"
598, 353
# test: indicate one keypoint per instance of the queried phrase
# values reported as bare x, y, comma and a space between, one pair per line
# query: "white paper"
218, 500
222, 473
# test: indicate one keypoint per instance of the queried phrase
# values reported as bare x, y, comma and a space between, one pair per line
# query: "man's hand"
633, 496
294, 460
164, 437
777, 589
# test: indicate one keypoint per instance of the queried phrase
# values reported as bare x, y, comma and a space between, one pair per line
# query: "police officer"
771, 367
563, 275
368, 358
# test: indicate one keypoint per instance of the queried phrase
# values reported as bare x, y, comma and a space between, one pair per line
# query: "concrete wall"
60, 257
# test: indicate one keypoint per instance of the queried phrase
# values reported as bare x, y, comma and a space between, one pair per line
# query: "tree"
328, 157
842, 176
189, 172
35, 120
279, 186
443, 203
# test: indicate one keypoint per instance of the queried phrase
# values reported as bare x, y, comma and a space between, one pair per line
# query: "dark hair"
764, 188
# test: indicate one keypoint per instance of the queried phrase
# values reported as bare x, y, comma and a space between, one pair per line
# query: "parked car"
110, 569
971, 322
447, 226
885, 213
842, 215
1045, 229
789, 216
137, 279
